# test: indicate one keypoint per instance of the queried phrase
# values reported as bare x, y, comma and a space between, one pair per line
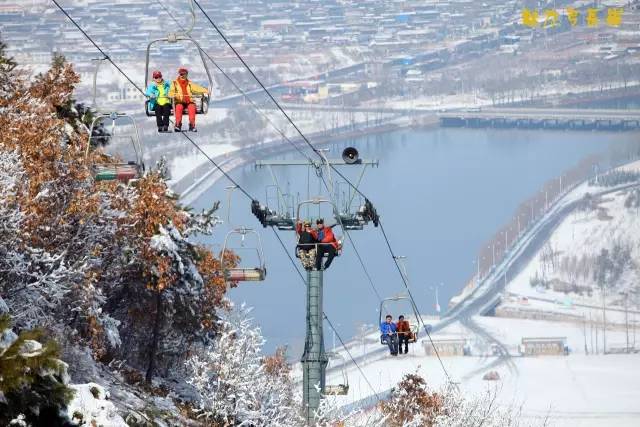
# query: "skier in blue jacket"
159, 101
389, 335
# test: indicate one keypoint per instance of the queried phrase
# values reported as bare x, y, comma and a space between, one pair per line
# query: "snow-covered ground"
583, 388
90, 406
573, 390
583, 234
471, 99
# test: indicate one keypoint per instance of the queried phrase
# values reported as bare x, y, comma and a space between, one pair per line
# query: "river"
441, 193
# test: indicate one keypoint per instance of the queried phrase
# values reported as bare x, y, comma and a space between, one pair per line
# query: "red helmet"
157, 75
182, 70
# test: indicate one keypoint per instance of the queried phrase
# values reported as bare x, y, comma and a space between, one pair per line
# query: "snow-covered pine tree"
236, 385
7, 70
32, 378
97, 264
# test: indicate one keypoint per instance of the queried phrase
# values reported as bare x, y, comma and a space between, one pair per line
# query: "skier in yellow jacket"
183, 91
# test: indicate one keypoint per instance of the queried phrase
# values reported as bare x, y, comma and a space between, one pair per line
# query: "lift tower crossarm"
333, 162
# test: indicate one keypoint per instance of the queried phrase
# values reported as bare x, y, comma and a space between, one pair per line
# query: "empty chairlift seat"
111, 169
251, 273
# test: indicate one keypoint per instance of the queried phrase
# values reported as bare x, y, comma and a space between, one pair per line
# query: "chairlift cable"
270, 95
108, 58
351, 357
353, 244
306, 140
406, 285
254, 76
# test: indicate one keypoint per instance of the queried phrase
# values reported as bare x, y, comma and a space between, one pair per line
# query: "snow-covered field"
586, 387
479, 99
573, 390
585, 234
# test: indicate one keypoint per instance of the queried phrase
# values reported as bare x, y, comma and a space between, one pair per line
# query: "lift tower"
284, 216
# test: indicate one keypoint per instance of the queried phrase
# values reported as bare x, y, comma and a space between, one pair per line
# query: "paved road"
482, 113
597, 307
545, 114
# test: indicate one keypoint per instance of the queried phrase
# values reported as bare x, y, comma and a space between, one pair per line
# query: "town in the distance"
396, 213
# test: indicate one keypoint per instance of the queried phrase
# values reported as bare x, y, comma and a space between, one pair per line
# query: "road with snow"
487, 293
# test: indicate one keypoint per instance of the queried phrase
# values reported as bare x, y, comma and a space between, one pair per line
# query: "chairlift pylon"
243, 274
202, 104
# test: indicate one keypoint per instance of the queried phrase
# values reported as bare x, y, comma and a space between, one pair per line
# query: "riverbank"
482, 292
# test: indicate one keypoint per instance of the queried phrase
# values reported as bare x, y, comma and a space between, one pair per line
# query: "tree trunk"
155, 338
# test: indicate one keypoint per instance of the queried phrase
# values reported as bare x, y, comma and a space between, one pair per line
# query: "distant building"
446, 347
565, 287
544, 346
276, 25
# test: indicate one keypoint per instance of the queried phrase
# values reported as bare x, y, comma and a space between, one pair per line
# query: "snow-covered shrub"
460, 410
412, 404
331, 414
236, 385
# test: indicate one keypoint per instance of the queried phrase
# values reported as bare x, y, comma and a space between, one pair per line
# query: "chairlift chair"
125, 172
202, 101
318, 201
414, 325
244, 274
341, 389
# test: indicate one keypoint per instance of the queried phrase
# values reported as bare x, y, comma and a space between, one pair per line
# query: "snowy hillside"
590, 260
555, 299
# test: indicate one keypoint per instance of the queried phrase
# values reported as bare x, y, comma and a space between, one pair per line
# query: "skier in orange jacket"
327, 243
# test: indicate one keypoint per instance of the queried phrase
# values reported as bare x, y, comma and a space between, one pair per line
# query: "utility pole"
596, 333
546, 200
604, 322
634, 332
506, 234
560, 183
531, 220
591, 330
493, 253
584, 333
626, 320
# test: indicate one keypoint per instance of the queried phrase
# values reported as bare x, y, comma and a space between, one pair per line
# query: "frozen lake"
441, 193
